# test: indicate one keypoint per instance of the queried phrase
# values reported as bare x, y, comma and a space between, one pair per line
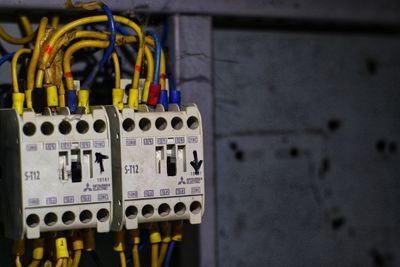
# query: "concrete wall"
307, 161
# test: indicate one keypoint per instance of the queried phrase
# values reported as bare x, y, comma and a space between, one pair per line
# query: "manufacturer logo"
181, 181
87, 188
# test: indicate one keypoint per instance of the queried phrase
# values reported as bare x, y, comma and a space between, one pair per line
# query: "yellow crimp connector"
52, 96
119, 242
77, 241
62, 248
155, 236
134, 236
118, 98
61, 95
90, 243
177, 231
133, 99
18, 247
83, 99
28, 96
166, 230
38, 247
61, 100
146, 89
18, 102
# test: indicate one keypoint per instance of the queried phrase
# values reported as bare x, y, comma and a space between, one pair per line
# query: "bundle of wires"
50, 65
50, 83
111, 23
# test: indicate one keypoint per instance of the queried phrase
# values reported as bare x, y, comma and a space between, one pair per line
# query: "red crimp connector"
154, 94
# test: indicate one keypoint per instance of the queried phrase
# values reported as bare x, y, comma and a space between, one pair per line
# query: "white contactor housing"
158, 169
57, 172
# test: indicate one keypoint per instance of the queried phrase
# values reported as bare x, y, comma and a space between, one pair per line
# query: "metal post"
192, 49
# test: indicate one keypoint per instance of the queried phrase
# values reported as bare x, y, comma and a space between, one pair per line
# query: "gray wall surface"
307, 162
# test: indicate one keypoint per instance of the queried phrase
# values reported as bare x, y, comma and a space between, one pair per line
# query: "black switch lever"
196, 164
99, 159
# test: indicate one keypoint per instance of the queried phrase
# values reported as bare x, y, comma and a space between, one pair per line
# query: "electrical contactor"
57, 171
134, 162
63, 171
157, 165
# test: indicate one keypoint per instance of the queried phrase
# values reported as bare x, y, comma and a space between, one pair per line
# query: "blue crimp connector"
71, 100
163, 100
175, 97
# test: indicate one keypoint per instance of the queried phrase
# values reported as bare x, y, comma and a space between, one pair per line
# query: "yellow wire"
162, 71
54, 21
17, 261
154, 255
126, 40
15, 40
84, 44
120, 40
73, 35
77, 258
117, 69
163, 252
59, 262
61, 95
136, 258
14, 67
68, 55
80, 45
104, 36
166, 231
37, 252
34, 263
122, 259
35, 54
44, 63
26, 25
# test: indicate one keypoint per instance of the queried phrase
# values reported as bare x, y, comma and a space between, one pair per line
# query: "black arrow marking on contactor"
196, 164
99, 159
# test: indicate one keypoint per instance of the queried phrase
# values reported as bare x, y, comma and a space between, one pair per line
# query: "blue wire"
121, 29
107, 54
141, 247
158, 56
7, 57
168, 257
171, 79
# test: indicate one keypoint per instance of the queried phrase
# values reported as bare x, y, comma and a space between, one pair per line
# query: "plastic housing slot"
171, 160
63, 166
87, 166
76, 166
160, 150
182, 157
